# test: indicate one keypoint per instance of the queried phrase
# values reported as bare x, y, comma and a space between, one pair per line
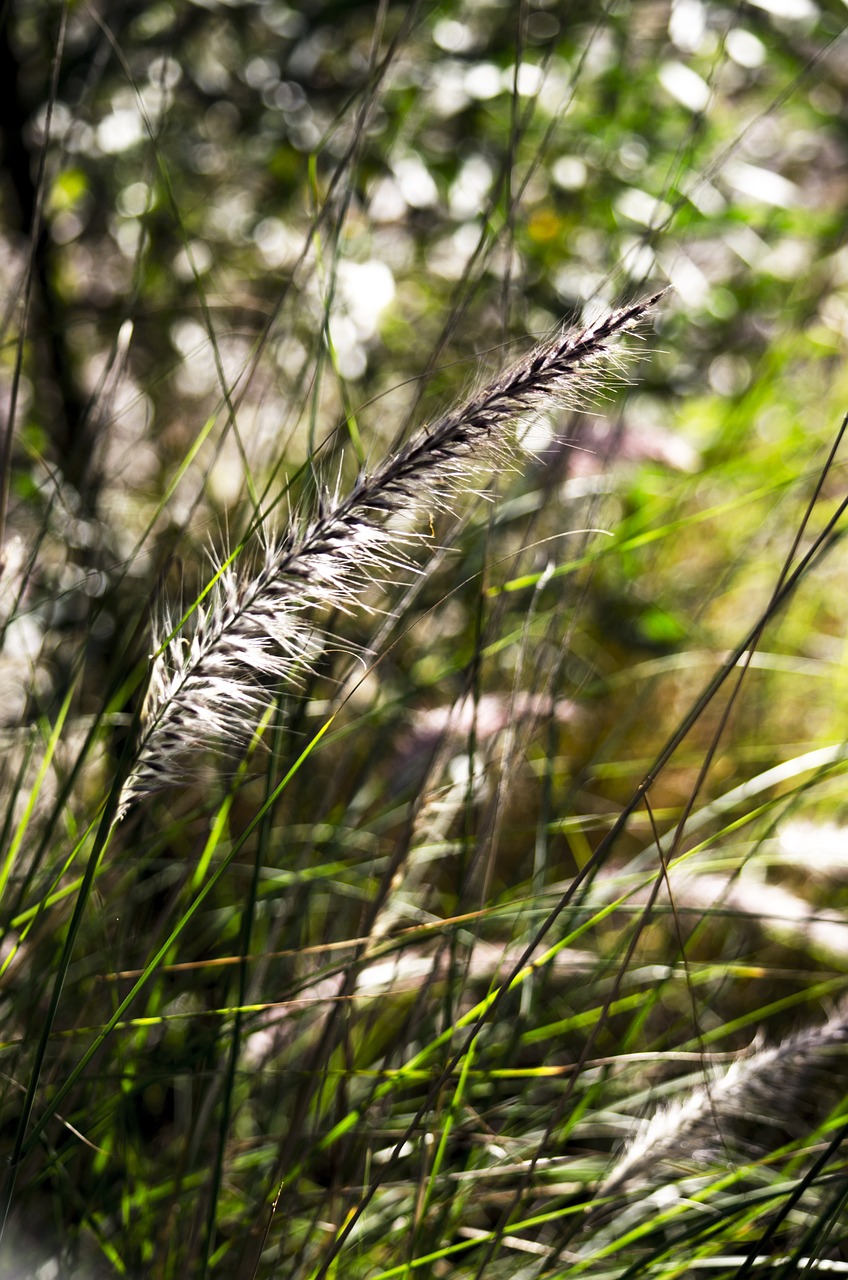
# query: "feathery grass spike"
765, 1099
254, 630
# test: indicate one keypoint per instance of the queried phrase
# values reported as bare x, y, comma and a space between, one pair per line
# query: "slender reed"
255, 630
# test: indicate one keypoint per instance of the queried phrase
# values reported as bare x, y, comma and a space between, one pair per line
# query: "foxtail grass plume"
255, 630
767, 1098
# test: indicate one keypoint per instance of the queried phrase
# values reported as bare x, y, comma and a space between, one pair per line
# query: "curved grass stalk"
255, 630
764, 1099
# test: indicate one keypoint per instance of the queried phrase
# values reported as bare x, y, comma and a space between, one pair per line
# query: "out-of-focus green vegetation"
292, 1031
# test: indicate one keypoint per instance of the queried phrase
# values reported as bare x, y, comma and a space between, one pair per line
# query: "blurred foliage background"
245, 248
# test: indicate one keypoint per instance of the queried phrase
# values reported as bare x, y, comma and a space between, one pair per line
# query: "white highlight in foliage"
453, 36
279, 245
470, 187
537, 435
817, 848
789, 10
415, 182
638, 206
687, 24
684, 85
447, 94
191, 258
746, 49
569, 172
134, 200
762, 184
483, 81
528, 79
386, 202
366, 288
351, 359
165, 71
12, 561
119, 131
